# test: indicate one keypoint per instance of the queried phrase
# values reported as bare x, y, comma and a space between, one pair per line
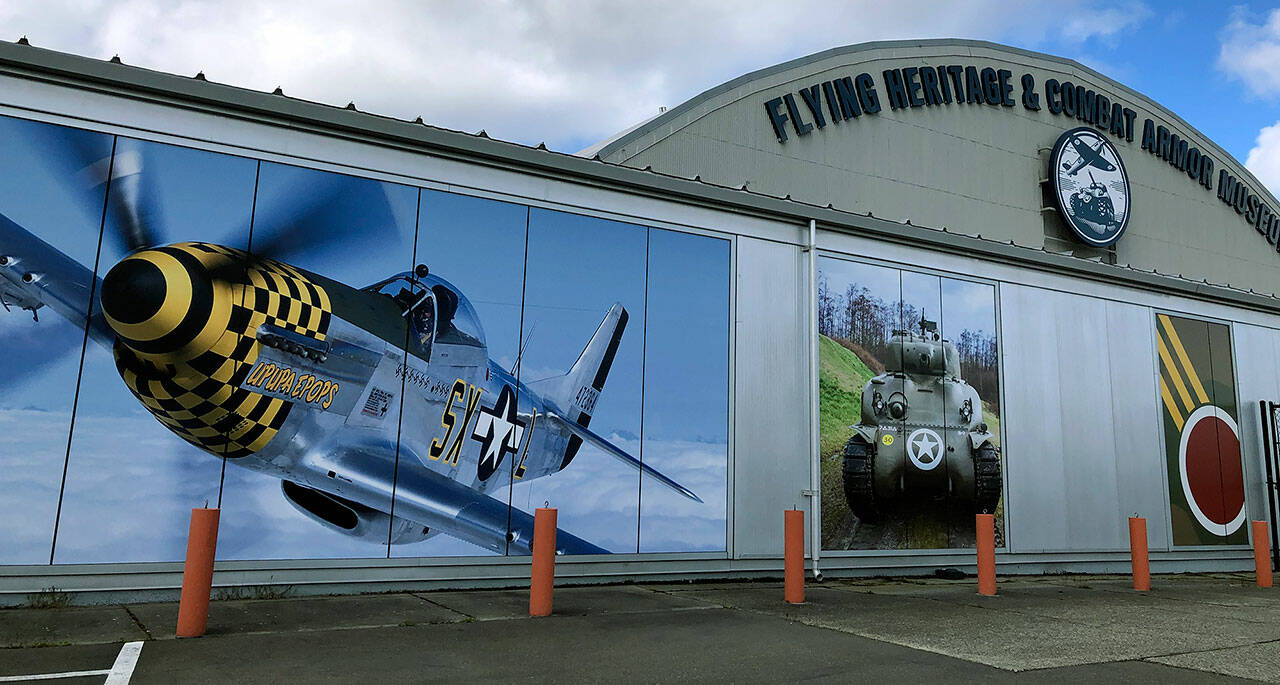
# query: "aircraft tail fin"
576, 392
586, 378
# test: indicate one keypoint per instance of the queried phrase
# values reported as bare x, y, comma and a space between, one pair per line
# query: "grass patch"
238, 592
49, 598
841, 376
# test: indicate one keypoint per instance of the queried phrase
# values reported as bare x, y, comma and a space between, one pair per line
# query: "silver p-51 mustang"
378, 408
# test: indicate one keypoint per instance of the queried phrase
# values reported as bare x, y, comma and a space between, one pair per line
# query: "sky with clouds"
572, 73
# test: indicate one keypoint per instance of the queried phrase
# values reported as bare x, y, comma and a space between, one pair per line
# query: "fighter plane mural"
354, 398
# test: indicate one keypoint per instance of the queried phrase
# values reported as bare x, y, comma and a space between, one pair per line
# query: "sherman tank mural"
910, 411
921, 432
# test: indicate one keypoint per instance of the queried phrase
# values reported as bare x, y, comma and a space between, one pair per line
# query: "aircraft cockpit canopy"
437, 313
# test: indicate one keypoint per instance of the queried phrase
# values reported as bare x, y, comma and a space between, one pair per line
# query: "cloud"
1264, 158
1251, 52
1105, 24
131, 486
608, 503
566, 73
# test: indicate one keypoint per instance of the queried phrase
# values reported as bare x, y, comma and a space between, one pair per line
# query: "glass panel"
973, 381
578, 269
132, 480
322, 486
862, 402
474, 249
929, 427
42, 196
686, 393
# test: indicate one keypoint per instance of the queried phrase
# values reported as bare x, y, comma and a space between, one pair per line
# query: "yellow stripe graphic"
1167, 361
1183, 358
1170, 404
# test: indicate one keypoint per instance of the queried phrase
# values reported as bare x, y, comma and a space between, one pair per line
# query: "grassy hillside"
841, 376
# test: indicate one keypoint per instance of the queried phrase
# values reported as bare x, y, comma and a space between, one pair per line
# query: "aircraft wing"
1083, 150
444, 504
34, 274
618, 453
1090, 156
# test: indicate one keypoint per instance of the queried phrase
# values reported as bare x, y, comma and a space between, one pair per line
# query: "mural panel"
348, 368
46, 209
1201, 433
909, 408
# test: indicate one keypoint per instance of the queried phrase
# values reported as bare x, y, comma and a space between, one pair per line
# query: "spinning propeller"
304, 218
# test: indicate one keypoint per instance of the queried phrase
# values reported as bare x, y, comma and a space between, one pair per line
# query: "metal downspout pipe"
815, 473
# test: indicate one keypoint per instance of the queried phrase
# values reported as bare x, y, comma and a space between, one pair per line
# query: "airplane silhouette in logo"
1089, 157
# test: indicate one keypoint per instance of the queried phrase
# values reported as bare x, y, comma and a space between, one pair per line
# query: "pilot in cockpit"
424, 324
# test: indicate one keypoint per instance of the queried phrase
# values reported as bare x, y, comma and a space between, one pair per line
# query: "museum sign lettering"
839, 100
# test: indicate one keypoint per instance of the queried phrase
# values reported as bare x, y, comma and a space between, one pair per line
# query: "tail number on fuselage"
586, 399
451, 451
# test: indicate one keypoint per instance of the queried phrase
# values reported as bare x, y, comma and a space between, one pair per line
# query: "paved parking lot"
1189, 628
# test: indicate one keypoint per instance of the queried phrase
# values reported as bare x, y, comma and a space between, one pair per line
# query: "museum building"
891, 284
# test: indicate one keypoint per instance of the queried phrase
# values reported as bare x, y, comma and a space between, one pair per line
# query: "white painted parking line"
50, 676
119, 673
126, 660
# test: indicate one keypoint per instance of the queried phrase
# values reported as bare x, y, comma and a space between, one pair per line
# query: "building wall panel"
771, 436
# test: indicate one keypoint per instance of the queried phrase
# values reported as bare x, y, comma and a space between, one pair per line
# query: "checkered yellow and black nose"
186, 317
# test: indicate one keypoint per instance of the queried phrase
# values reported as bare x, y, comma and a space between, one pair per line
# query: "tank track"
859, 479
988, 480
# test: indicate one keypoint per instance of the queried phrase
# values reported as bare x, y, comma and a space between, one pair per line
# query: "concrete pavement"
1191, 628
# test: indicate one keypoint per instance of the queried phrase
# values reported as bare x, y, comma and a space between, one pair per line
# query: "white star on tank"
924, 448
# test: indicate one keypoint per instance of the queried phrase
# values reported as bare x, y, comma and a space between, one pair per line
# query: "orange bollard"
1138, 550
542, 582
793, 555
986, 554
1262, 553
197, 573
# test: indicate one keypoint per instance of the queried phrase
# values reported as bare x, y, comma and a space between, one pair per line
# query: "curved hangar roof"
958, 134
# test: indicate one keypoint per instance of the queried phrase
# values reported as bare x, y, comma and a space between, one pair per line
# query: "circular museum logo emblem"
1091, 185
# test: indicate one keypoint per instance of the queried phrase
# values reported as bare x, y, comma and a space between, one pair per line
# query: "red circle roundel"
1212, 477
